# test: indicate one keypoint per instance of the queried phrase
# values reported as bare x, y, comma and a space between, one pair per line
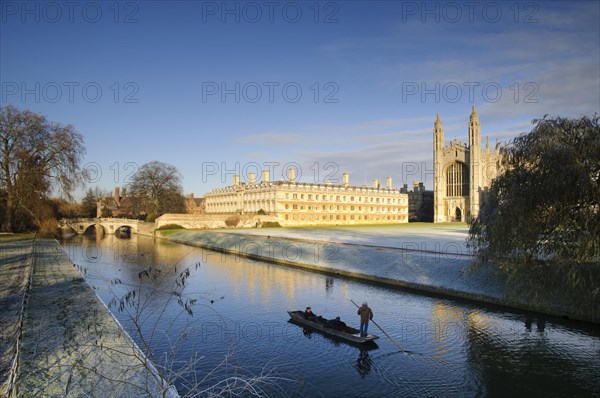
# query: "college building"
297, 203
462, 172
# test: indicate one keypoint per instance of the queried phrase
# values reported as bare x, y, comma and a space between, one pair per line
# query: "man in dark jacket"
337, 324
365, 315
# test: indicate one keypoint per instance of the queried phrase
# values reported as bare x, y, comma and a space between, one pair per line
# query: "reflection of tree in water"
540, 322
520, 363
364, 363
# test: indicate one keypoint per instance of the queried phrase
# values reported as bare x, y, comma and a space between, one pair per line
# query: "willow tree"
157, 189
540, 222
37, 158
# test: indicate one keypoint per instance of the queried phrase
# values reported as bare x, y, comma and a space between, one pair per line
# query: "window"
457, 180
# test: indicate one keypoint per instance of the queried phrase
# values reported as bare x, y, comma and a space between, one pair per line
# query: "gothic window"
457, 180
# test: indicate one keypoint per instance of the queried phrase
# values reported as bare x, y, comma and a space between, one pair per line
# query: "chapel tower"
462, 172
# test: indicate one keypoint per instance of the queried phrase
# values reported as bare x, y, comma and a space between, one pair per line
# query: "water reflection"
450, 348
364, 363
540, 324
513, 361
329, 285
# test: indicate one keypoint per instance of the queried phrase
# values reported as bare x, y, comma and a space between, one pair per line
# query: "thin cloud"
269, 139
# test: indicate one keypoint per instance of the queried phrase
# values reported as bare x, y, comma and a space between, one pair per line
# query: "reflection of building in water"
462, 172
260, 283
298, 203
480, 321
446, 326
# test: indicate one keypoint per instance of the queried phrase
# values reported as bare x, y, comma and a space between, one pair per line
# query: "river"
237, 329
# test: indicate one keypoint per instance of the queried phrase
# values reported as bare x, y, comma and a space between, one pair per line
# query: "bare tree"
37, 157
150, 327
157, 187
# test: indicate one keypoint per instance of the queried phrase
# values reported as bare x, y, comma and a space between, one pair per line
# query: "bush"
232, 221
270, 224
151, 217
169, 226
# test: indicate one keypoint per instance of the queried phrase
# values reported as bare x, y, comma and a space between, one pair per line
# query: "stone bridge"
109, 225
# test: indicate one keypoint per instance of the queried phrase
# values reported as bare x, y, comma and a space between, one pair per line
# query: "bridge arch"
108, 225
97, 226
124, 231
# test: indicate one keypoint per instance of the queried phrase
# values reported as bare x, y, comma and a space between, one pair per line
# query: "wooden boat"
349, 334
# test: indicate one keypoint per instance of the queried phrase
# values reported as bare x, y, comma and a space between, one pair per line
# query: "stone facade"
212, 221
118, 205
295, 203
462, 172
420, 203
121, 205
194, 205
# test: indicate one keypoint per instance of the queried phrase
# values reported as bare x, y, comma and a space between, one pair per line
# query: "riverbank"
432, 259
58, 338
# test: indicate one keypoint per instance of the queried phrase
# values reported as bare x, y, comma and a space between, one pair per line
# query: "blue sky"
218, 88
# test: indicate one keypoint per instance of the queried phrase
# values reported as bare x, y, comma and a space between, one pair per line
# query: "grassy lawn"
169, 232
15, 252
